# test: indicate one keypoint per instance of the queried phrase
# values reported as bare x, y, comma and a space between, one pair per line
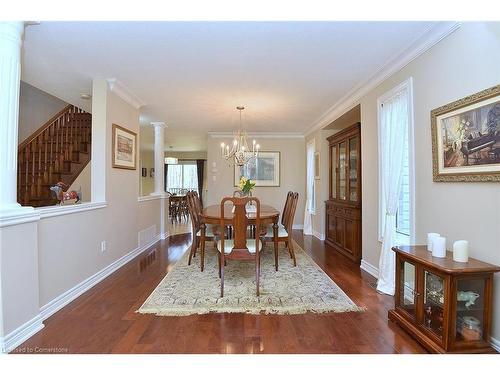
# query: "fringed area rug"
292, 290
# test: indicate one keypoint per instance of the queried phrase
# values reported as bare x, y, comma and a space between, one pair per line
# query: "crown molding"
429, 38
123, 92
258, 135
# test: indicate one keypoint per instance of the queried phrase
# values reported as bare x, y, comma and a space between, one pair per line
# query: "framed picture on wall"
317, 165
124, 148
263, 170
466, 138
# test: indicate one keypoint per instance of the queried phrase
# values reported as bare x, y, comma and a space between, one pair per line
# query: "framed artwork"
124, 148
263, 170
466, 138
317, 165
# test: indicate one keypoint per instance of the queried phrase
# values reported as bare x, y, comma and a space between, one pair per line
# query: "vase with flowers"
246, 186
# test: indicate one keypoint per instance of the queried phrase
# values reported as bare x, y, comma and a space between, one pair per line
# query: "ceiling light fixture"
239, 154
85, 96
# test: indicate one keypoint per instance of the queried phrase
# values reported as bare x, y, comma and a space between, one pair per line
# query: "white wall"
466, 62
36, 107
293, 168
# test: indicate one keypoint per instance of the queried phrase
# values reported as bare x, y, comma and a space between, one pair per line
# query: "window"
390, 108
403, 214
311, 198
181, 177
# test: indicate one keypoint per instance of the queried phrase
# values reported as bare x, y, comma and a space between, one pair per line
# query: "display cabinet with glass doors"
445, 305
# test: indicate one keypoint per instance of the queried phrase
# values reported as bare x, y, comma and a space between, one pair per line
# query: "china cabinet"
445, 305
343, 208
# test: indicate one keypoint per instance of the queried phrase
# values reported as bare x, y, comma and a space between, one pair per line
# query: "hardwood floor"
103, 320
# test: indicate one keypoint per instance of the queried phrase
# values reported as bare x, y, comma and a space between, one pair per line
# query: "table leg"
202, 247
275, 238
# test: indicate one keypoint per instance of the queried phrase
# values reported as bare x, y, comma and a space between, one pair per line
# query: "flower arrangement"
246, 185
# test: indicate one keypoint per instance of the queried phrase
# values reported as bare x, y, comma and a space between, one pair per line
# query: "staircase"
58, 151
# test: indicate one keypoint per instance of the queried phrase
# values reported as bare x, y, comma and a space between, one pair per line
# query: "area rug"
186, 290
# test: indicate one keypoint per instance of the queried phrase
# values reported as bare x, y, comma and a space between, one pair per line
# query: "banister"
44, 127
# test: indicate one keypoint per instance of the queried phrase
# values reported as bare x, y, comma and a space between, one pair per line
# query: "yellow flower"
243, 181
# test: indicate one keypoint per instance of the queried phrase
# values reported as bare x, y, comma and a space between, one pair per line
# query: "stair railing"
44, 152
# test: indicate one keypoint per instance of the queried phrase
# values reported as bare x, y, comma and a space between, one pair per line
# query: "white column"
10, 77
159, 157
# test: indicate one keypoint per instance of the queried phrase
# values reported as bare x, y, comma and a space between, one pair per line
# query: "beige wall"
293, 168
18, 276
83, 182
466, 62
70, 245
146, 160
36, 107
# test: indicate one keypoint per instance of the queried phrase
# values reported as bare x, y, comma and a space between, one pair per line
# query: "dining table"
212, 215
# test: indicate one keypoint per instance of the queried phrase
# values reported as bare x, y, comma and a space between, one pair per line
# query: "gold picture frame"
466, 139
124, 148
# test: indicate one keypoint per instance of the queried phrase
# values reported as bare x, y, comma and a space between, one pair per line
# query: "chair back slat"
288, 222
193, 211
239, 223
286, 207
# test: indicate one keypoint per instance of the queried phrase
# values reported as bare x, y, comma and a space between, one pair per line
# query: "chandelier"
239, 154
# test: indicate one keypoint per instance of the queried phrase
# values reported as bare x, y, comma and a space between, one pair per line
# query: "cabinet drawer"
352, 213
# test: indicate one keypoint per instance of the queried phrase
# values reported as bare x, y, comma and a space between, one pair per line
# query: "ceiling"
192, 75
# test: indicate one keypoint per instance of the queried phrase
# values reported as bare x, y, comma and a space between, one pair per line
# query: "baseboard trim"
495, 343
318, 235
59, 302
21, 334
369, 268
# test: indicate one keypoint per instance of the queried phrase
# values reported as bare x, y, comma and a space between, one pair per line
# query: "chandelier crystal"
239, 153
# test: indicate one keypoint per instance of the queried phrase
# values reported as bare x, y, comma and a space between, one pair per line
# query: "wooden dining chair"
240, 247
285, 227
195, 213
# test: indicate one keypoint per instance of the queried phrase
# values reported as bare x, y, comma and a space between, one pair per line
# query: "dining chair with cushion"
240, 246
285, 227
195, 213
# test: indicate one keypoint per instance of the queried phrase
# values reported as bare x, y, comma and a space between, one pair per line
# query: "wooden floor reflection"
103, 320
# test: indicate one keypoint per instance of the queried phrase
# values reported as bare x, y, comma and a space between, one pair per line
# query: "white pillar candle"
439, 247
430, 236
461, 251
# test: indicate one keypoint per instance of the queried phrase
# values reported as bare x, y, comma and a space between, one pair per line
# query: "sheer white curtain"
309, 210
394, 118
